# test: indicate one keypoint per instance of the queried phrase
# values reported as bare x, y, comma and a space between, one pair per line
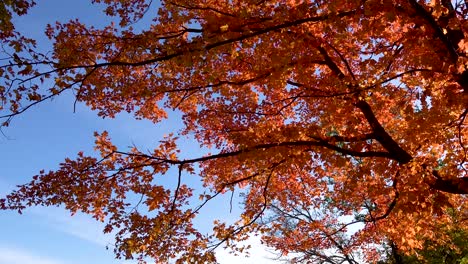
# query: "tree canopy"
321, 110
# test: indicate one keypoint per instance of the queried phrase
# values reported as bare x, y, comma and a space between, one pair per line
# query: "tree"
362, 103
291, 222
327, 241
434, 254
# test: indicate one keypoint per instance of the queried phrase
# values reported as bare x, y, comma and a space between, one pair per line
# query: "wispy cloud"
85, 228
9, 255
79, 225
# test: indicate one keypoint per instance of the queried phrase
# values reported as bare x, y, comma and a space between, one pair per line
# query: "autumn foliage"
320, 110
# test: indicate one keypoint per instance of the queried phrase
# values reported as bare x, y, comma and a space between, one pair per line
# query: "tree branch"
317, 142
454, 185
451, 48
397, 153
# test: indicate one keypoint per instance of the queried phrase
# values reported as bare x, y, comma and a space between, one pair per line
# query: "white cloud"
10, 255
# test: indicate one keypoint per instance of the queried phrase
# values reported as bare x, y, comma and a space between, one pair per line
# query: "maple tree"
347, 108
340, 245
438, 254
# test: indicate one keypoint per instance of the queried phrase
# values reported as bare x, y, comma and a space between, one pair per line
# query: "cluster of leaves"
19, 7
454, 252
347, 108
343, 247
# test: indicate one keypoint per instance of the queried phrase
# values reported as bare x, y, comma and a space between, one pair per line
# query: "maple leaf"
320, 110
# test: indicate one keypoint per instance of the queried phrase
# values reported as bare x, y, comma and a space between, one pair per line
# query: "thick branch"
455, 186
382, 136
450, 38
451, 47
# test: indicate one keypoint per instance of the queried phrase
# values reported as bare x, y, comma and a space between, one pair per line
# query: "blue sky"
42, 137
